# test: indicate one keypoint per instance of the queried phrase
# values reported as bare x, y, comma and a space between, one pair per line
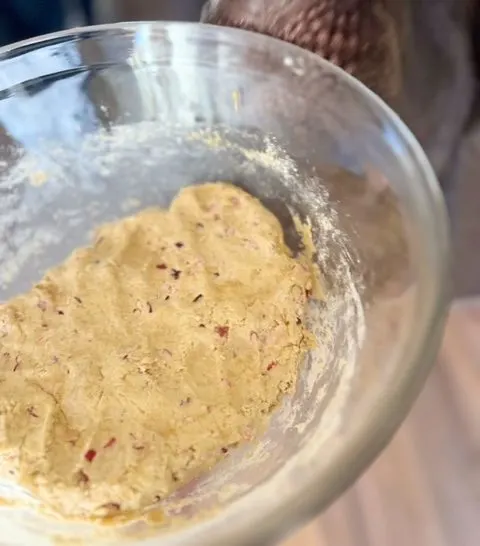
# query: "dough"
136, 365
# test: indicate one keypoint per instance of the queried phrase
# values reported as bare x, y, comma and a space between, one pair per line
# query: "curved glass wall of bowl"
99, 122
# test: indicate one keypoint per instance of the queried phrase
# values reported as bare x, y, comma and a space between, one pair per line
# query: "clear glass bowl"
99, 122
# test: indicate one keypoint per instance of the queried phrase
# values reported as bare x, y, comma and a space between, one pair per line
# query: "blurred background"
425, 488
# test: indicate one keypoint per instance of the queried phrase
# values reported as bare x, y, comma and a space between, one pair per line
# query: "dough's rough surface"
136, 365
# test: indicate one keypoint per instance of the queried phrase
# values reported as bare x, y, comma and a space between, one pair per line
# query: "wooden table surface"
424, 490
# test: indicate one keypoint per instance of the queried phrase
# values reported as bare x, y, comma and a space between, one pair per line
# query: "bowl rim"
386, 414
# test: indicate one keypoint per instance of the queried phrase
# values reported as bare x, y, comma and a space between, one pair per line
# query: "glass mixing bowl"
99, 122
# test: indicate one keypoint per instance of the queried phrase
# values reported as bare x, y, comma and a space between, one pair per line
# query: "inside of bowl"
97, 126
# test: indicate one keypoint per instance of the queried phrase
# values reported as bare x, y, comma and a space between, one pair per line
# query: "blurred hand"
358, 35
416, 54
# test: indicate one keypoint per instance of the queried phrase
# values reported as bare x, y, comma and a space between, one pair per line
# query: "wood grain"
424, 490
